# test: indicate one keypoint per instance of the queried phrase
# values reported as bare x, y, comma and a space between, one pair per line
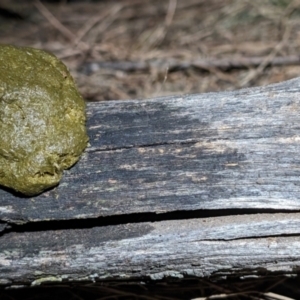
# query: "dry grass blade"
54, 21
248, 294
105, 18
57, 24
273, 296
159, 34
286, 35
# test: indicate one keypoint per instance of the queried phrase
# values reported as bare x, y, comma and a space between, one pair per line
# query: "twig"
57, 24
201, 64
171, 12
93, 21
254, 73
160, 32
273, 296
230, 295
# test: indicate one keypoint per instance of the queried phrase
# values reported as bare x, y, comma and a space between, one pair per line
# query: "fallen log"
200, 185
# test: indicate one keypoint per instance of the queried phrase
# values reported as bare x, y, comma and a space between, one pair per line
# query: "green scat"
42, 120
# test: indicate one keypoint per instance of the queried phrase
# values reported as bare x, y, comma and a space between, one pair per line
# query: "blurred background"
136, 49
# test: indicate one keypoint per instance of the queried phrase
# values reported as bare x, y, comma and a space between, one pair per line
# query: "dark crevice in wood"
251, 237
4, 226
54, 225
108, 148
178, 142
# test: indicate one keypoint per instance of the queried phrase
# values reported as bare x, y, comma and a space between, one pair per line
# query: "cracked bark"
225, 151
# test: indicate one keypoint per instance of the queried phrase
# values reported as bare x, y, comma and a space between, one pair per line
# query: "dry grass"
179, 43
267, 288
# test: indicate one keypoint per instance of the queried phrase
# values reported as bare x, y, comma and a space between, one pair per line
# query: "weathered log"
222, 246
209, 154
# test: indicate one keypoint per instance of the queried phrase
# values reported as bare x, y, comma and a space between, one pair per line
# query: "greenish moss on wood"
42, 120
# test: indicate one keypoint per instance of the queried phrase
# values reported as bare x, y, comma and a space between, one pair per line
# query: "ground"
151, 48
161, 47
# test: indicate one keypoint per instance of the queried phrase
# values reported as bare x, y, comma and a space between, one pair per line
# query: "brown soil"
161, 47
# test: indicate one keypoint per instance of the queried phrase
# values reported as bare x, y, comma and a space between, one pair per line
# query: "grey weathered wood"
217, 151
211, 151
222, 246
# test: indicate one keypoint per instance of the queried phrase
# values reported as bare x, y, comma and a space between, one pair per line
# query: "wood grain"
231, 153
209, 247
211, 151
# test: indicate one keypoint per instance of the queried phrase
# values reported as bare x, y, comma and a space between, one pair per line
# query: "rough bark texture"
227, 153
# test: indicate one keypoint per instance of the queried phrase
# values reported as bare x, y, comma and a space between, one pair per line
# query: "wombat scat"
42, 120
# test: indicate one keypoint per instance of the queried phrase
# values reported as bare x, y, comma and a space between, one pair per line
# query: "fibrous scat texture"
42, 120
